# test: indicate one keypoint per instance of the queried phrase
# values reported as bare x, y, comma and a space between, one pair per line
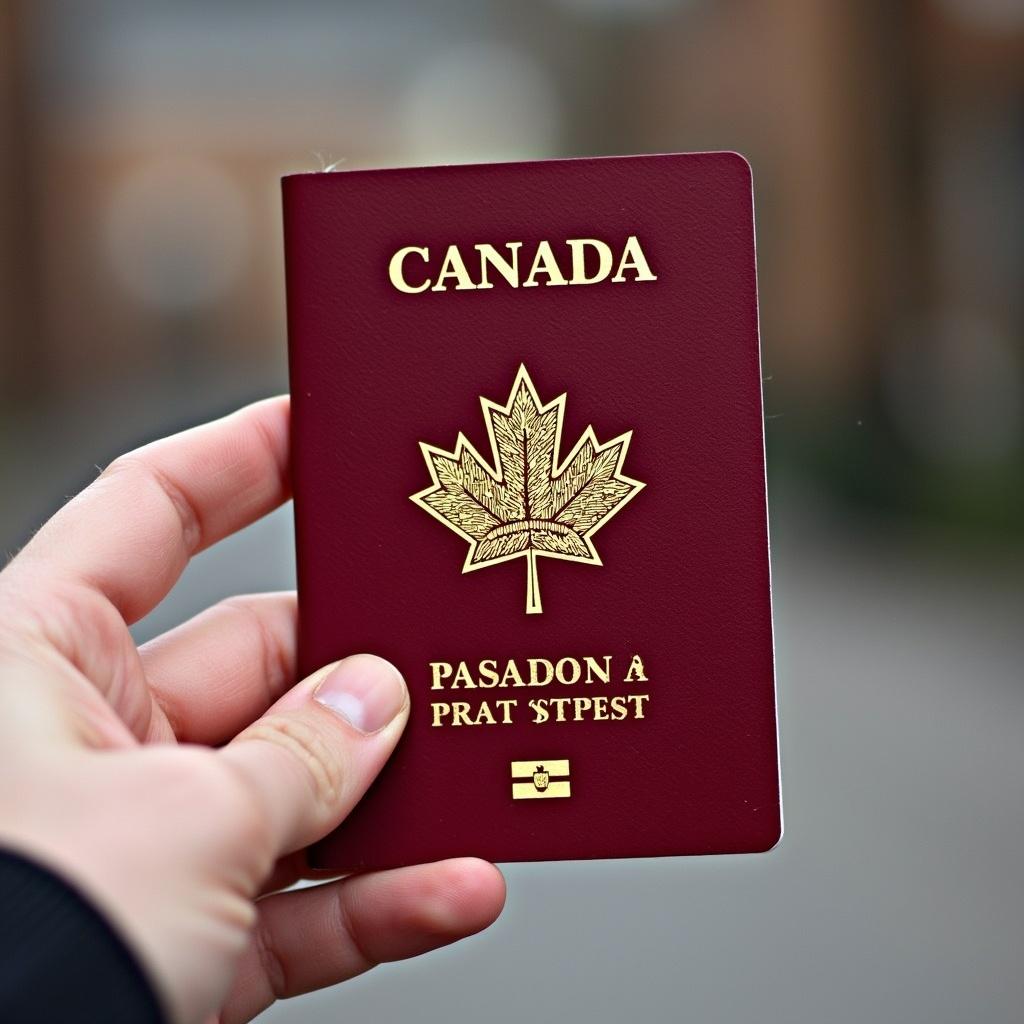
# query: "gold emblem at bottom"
542, 779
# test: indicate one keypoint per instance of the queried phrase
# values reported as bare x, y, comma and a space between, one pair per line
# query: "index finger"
130, 533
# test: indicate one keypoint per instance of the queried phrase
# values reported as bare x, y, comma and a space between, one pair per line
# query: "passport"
528, 469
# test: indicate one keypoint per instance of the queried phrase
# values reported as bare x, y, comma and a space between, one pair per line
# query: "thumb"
313, 754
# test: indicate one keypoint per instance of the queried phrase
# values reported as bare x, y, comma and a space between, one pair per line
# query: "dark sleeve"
59, 958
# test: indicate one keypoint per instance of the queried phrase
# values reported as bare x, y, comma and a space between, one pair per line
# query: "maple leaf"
523, 504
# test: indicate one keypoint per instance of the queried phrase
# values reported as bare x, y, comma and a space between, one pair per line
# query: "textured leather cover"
684, 579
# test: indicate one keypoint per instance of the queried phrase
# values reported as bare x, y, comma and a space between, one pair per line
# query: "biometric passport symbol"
523, 504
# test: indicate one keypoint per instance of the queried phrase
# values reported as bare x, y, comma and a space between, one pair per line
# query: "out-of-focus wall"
140, 240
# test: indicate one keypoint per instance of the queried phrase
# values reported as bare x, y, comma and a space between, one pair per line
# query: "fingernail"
365, 690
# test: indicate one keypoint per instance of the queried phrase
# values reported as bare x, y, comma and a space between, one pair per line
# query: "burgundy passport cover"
529, 470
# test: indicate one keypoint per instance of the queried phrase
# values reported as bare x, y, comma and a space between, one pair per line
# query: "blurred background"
141, 290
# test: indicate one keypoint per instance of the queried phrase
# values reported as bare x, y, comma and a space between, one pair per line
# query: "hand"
177, 784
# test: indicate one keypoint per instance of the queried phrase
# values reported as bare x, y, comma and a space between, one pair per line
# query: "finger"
219, 671
312, 938
131, 532
312, 755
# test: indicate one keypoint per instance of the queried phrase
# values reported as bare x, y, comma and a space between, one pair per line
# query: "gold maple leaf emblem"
523, 504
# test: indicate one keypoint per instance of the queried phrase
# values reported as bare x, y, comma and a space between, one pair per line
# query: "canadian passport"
528, 468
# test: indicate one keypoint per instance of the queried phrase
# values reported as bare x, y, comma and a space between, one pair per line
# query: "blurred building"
143, 144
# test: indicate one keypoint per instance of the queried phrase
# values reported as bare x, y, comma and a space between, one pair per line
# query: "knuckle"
344, 923
307, 749
275, 659
150, 476
270, 961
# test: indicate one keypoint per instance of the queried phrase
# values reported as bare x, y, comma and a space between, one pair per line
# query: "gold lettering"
440, 670
535, 679
512, 672
506, 710
484, 715
600, 708
559, 703
544, 263
396, 274
491, 673
633, 258
636, 672
460, 713
508, 268
581, 704
453, 267
579, 260
574, 672
463, 678
638, 700
503, 261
